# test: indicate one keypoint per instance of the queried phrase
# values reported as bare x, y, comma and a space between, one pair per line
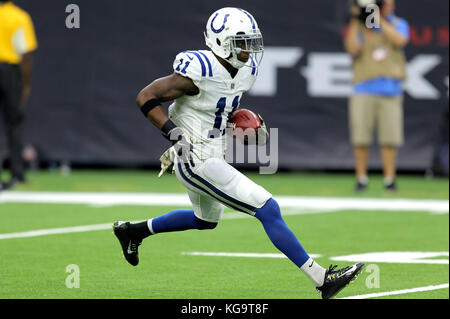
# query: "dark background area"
82, 107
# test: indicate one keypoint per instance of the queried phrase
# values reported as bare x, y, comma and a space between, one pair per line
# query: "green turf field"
35, 267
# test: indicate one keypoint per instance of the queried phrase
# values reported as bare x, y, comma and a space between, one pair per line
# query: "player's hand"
181, 148
262, 134
167, 160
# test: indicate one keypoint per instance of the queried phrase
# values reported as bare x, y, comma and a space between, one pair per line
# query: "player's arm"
149, 101
161, 90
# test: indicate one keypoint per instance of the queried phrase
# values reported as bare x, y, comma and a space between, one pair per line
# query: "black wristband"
167, 127
149, 105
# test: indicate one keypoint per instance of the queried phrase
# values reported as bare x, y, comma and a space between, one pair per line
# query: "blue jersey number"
215, 132
185, 66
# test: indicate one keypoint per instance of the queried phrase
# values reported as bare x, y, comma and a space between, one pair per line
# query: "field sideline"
402, 238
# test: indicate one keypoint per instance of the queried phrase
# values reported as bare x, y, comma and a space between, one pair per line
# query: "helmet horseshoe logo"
223, 25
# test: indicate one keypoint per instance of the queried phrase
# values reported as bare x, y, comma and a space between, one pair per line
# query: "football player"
206, 86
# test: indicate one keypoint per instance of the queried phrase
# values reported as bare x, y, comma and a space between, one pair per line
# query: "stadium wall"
82, 108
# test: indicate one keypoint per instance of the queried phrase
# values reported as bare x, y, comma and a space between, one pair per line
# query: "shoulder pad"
193, 64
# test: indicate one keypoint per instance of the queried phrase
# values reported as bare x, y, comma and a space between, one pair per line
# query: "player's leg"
327, 281
224, 183
284, 240
205, 215
131, 235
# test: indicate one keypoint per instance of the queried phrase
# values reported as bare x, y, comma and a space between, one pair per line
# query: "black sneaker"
391, 187
336, 280
360, 187
129, 245
8, 185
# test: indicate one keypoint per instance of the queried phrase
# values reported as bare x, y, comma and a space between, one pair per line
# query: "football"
244, 119
244, 124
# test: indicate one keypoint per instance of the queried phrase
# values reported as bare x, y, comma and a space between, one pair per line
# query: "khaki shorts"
368, 113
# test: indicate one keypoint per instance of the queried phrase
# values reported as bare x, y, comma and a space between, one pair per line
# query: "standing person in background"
17, 41
379, 67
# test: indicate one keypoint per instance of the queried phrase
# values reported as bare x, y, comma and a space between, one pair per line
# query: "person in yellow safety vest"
17, 42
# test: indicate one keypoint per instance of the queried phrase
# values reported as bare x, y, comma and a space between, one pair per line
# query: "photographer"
375, 40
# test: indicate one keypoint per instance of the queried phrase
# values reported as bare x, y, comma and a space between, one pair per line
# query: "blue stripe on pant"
214, 192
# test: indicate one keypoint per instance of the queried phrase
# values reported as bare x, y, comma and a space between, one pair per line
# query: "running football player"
206, 86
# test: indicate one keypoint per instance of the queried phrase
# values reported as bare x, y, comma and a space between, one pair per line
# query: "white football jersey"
203, 117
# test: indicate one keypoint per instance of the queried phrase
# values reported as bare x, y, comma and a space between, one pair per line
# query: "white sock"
150, 226
388, 180
314, 271
363, 179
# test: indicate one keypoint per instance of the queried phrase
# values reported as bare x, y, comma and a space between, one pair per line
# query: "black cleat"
336, 280
129, 245
360, 187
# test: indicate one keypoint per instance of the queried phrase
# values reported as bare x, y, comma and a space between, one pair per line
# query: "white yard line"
385, 257
292, 205
269, 255
54, 231
398, 292
96, 199
170, 199
85, 228
402, 257
246, 255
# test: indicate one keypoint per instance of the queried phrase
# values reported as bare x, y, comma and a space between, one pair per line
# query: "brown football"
244, 119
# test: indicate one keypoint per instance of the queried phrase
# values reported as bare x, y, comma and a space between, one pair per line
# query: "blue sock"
280, 235
178, 220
